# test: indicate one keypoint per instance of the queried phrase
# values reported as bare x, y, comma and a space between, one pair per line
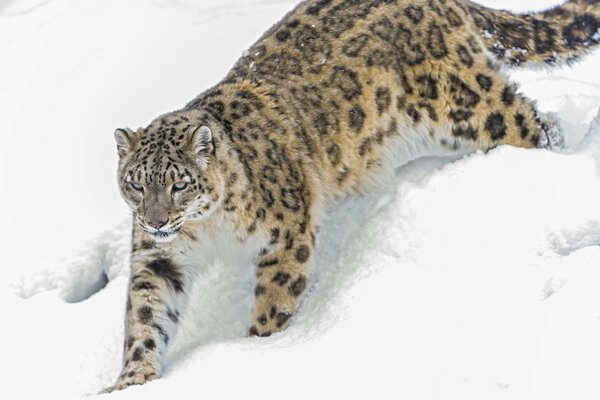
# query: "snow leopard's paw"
554, 137
128, 378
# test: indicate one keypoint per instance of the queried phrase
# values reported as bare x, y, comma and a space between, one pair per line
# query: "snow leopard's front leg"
156, 296
281, 278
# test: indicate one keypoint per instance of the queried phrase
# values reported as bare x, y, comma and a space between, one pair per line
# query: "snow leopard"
324, 105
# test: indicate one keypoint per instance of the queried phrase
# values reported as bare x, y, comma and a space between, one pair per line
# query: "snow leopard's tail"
559, 35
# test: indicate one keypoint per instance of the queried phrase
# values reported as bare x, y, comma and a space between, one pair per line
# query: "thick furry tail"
559, 35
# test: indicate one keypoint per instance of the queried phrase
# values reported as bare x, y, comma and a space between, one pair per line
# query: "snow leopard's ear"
202, 142
125, 139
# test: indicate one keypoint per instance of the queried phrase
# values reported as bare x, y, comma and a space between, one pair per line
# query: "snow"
474, 278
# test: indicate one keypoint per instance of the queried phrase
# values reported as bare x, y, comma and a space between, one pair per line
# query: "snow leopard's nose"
156, 223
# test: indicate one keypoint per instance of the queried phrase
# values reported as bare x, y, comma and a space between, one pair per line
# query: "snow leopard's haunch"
327, 103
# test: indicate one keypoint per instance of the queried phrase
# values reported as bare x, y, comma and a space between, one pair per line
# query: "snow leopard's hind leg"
486, 109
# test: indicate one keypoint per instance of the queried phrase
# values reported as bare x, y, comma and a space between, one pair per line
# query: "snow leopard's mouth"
163, 236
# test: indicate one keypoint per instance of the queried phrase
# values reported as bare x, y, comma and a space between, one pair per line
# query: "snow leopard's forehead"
164, 154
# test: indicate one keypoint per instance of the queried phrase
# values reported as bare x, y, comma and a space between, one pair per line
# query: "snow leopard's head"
168, 173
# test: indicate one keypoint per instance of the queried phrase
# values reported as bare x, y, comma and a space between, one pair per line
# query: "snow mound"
477, 275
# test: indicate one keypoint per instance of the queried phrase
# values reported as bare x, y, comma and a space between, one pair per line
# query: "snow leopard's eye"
179, 186
137, 186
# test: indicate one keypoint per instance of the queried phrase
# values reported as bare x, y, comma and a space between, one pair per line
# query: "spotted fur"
323, 105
